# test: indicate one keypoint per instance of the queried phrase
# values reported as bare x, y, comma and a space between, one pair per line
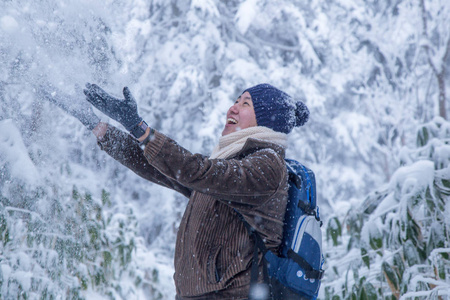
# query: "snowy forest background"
76, 224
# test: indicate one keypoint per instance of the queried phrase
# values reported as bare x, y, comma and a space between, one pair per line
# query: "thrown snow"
9, 24
259, 292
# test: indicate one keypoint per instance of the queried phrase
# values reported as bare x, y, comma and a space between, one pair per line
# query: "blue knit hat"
276, 109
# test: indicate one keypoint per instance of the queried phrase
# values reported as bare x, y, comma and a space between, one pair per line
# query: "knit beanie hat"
276, 109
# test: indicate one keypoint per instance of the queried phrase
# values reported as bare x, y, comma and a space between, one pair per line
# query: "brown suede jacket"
214, 251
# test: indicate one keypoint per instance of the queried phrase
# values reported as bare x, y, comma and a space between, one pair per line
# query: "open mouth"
231, 121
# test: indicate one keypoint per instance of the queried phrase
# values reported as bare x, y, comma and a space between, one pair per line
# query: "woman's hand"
123, 111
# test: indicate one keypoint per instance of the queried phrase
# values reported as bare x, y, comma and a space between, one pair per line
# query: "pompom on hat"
276, 109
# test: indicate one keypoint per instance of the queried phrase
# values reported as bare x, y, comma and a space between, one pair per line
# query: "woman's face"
241, 115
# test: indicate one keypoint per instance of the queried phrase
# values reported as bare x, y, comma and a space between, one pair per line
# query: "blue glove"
123, 111
77, 108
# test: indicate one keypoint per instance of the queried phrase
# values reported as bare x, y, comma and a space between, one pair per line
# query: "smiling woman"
245, 174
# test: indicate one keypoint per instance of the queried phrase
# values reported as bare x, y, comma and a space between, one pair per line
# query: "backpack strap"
309, 208
309, 270
259, 244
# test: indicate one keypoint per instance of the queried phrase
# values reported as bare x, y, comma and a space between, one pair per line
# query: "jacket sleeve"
249, 180
123, 148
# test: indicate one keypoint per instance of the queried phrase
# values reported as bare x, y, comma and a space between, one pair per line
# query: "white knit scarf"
232, 143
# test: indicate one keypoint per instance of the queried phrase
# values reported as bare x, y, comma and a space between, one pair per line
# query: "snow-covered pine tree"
397, 243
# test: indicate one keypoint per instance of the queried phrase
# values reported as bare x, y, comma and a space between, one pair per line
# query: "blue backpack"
296, 271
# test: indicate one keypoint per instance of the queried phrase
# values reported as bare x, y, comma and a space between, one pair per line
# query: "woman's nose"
234, 108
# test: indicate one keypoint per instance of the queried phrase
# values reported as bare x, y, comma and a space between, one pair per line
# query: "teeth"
231, 120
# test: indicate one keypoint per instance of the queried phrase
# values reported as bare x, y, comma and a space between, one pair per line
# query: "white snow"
14, 155
206, 7
9, 24
413, 178
246, 14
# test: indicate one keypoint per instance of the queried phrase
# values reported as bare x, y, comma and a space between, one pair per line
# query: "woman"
245, 174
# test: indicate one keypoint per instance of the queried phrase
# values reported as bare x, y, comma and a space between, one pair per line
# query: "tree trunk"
441, 83
438, 72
